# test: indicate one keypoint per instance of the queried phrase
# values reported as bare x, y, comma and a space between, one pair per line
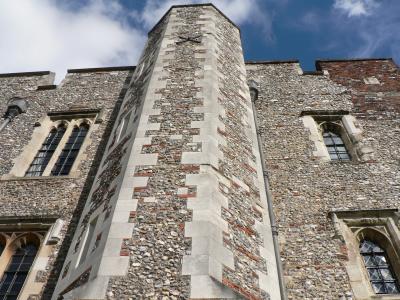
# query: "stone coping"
350, 60
266, 62
102, 69
25, 74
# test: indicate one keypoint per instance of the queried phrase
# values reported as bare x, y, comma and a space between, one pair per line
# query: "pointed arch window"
46, 151
379, 270
336, 148
70, 150
17, 271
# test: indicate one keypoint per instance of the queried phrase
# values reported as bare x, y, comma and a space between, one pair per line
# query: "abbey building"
197, 175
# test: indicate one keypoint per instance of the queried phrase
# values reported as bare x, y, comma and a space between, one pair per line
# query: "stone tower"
178, 207
162, 181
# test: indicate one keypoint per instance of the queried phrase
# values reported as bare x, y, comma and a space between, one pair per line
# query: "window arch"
70, 150
46, 151
380, 271
334, 143
23, 254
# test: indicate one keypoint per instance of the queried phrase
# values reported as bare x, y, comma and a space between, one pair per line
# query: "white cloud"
354, 8
375, 35
41, 34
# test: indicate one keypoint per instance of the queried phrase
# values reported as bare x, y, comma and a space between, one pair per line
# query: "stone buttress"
178, 208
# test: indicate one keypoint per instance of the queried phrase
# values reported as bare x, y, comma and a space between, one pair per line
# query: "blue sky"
57, 34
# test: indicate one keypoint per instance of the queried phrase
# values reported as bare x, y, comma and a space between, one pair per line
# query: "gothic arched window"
380, 272
70, 151
17, 271
335, 146
45, 152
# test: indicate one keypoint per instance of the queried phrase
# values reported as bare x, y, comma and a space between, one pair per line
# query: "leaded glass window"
17, 271
70, 151
45, 153
380, 273
336, 147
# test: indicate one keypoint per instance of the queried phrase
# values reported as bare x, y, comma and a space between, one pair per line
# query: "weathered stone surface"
304, 189
55, 196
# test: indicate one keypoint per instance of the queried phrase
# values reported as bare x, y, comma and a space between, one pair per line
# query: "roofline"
329, 60
25, 74
102, 69
191, 5
265, 62
352, 59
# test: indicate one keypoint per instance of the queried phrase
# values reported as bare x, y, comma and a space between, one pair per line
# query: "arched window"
3, 243
335, 145
17, 271
45, 153
70, 151
380, 272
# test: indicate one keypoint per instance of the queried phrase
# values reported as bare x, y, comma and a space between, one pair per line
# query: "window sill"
386, 297
22, 178
343, 162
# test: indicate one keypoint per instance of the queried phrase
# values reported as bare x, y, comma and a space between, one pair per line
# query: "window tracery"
17, 271
379, 270
372, 252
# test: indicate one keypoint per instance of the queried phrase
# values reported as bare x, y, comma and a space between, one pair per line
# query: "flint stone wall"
304, 189
55, 196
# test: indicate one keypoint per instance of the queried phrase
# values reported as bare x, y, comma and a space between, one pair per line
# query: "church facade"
197, 175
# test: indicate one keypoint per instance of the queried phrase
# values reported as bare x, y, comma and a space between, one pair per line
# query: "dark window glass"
17, 271
379, 270
1, 248
70, 151
336, 147
44, 154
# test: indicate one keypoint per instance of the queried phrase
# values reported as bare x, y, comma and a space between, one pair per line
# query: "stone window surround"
70, 119
381, 226
38, 230
346, 125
